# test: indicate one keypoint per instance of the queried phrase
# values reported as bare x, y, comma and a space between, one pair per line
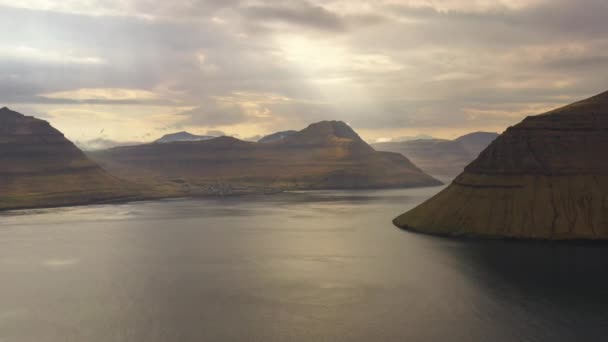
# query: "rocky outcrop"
325, 155
545, 178
41, 168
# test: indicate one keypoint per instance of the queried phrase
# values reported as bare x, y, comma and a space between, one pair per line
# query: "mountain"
439, 156
325, 155
182, 136
413, 137
254, 138
476, 142
544, 178
276, 136
41, 168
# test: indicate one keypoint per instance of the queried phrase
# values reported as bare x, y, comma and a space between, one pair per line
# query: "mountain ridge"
270, 138
324, 155
441, 157
181, 136
41, 168
544, 178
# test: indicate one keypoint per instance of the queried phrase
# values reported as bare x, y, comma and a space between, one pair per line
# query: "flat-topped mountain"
41, 168
545, 178
440, 156
182, 136
325, 155
278, 136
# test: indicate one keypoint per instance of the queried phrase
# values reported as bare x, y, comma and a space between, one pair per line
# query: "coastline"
181, 195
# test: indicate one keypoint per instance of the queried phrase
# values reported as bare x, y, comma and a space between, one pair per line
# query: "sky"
134, 70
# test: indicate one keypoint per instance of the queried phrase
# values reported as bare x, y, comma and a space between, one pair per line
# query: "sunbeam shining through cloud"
390, 68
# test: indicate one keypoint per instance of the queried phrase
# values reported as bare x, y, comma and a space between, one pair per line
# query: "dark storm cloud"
584, 64
548, 20
132, 53
583, 19
296, 13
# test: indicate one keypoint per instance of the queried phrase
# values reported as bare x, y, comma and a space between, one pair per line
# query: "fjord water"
305, 266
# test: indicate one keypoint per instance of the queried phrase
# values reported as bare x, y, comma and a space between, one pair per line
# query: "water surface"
306, 266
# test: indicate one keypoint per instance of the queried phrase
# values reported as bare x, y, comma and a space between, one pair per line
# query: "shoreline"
488, 238
143, 198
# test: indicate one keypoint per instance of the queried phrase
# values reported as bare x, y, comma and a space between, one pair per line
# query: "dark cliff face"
40, 167
325, 155
544, 178
566, 142
30, 145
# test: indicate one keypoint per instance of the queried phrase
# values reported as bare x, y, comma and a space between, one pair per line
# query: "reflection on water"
300, 266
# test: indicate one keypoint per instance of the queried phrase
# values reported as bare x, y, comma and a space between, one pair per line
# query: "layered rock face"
41, 168
441, 157
325, 155
545, 178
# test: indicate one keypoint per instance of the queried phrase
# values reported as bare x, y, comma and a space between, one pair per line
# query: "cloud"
258, 66
33, 54
103, 143
56, 263
299, 13
147, 9
215, 133
108, 94
213, 115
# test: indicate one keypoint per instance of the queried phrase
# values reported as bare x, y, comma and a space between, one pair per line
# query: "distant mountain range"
41, 168
413, 137
182, 136
544, 178
104, 143
441, 157
325, 155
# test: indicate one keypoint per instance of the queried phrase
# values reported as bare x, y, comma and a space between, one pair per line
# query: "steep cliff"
545, 178
41, 168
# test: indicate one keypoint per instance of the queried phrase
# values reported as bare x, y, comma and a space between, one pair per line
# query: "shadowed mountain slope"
545, 178
325, 155
476, 142
41, 168
440, 156
278, 136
